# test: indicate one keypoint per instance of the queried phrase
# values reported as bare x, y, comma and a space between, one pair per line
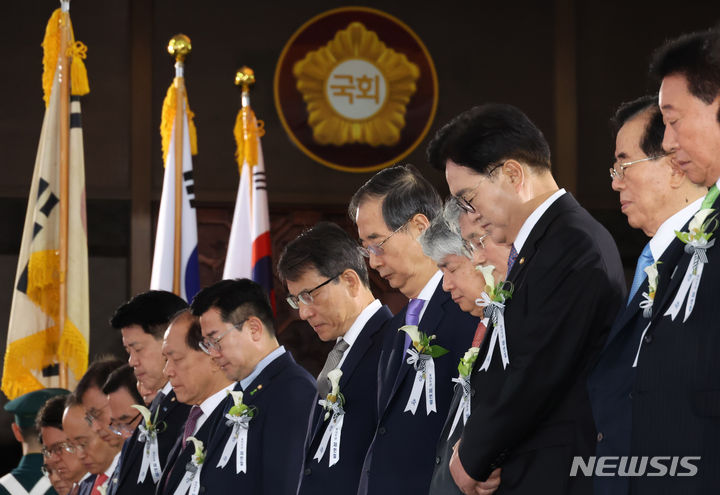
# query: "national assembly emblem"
356, 89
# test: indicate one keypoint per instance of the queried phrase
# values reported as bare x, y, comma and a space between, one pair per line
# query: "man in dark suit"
462, 263
659, 199
531, 412
391, 210
142, 321
676, 409
270, 407
199, 382
342, 310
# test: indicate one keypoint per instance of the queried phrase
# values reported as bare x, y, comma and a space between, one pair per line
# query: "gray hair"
442, 238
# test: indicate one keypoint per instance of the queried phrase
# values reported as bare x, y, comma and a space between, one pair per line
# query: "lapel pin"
522, 260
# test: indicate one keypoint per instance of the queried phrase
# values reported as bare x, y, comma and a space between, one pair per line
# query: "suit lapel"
627, 312
362, 343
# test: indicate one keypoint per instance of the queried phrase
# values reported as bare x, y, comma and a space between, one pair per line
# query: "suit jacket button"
630, 395
647, 339
472, 392
308, 472
382, 430
600, 437
437, 459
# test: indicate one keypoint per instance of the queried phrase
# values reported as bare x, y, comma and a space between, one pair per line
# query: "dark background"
566, 63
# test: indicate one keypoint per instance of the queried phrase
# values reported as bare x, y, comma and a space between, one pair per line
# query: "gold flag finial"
244, 77
179, 47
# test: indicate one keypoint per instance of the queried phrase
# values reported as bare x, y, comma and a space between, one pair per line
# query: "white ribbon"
424, 379
238, 438
464, 405
691, 281
332, 433
190, 483
495, 311
151, 455
637, 354
646, 305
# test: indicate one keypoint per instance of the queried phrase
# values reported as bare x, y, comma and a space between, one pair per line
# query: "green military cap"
26, 407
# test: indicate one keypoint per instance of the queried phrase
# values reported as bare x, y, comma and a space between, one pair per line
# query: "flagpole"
245, 77
64, 69
179, 47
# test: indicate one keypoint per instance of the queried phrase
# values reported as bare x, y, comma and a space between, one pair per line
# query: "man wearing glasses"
391, 210
142, 321
67, 467
678, 365
531, 413
658, 198
28, 476
199, 382
98, 457
272, 400
327, 281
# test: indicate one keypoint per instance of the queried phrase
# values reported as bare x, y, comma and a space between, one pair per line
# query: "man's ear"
514, 172
256, 328
418, 224
17, 433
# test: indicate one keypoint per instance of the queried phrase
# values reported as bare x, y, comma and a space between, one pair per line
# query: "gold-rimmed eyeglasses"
617, 171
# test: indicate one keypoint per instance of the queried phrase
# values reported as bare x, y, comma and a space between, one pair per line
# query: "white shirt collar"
534, 217
666, 232
354, 331
209, 405
427, 292
264, 362
166, 389
109, 471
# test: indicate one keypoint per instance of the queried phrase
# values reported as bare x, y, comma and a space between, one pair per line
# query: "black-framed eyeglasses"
466, 204
54, 449
377, 249
618, 169
305, 296
122, 428
210, 344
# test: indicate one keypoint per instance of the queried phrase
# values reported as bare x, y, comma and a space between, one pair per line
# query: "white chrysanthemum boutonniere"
333, 404
697, 240
493, 301
334, 400
467, 361
238, 419
149, 428
649, 297
198, 456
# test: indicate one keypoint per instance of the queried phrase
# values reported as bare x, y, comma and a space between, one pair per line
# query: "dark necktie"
333, 359
195, 413
512, 258
412, 317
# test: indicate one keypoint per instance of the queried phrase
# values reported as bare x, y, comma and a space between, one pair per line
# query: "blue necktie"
646, 259
412, 317
512, 257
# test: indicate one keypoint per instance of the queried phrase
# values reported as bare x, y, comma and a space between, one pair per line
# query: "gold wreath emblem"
356, 90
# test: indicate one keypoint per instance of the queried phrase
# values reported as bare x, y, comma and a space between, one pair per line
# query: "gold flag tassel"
51, 49
246, 136
168, 119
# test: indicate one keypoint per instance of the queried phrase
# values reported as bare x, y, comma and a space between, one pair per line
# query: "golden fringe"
167, 121
43, 281
73, 349
22, 356
51, 51
256, 129
79, 85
